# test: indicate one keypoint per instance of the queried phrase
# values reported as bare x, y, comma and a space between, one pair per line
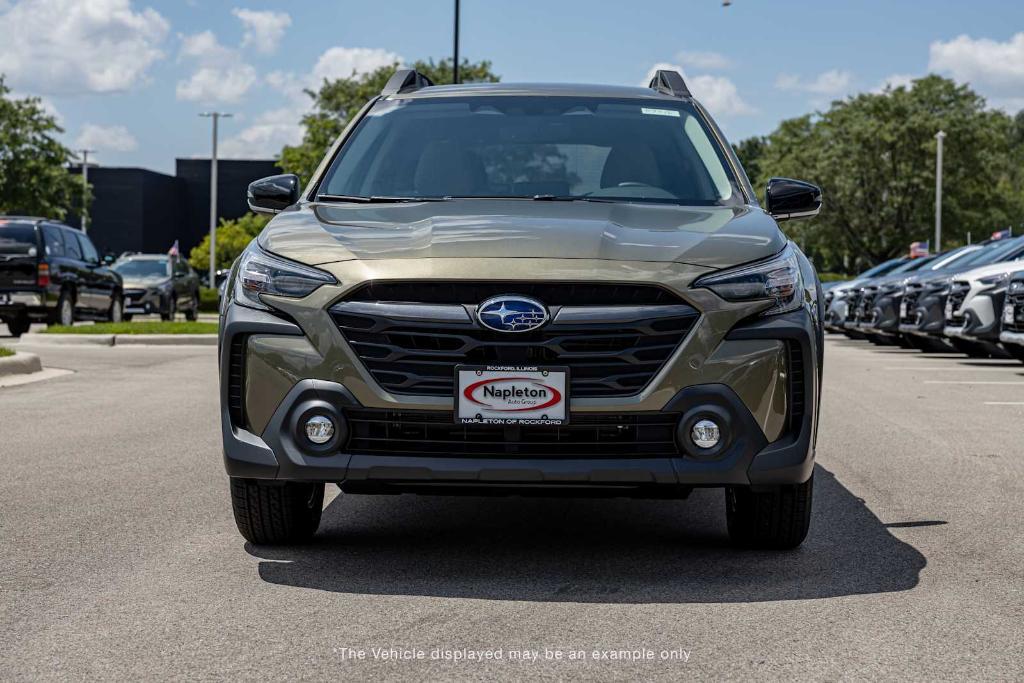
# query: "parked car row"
970, 298
51, 273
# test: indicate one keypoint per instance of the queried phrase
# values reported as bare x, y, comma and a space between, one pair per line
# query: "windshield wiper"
572, 198
375, 199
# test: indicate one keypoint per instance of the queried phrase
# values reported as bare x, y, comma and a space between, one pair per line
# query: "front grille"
1015, 298
434, 433
551, 293
611, 349
236, 380
797, 388
853, 306
956, 298
910, 297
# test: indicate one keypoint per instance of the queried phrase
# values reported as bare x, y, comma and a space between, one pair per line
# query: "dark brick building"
134, 209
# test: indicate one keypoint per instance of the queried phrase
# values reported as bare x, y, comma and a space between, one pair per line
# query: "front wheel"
116, 312
172, 309
276, 513
776, 518
1013, 349
192, 314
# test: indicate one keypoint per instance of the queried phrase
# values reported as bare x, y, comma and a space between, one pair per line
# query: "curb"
164, 339
121, 339
21, 363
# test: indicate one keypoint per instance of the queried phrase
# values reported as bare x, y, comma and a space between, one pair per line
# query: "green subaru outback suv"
519, 289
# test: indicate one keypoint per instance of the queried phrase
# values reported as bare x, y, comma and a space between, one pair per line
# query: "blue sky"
129, 77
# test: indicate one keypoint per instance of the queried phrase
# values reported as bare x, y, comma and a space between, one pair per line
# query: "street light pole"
215, 116
85, 187
455, 51
939, 137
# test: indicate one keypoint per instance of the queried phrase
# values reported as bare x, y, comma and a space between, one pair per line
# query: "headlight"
262, 273
994, 280
777, 278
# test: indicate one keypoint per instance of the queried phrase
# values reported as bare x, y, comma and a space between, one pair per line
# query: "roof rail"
670, 83
405, 80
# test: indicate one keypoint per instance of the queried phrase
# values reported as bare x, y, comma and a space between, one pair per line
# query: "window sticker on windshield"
660, 112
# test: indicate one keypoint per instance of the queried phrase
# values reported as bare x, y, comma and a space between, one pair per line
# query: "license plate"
949, 309
1008, 313
5, 299
903, 309
506, 395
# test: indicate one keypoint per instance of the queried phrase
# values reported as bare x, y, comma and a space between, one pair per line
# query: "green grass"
207, 300
4, 351
137, 328
833, 277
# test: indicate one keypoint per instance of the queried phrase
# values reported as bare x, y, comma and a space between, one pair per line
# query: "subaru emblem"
512, 313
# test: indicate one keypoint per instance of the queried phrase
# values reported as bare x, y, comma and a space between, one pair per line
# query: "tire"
1013, 349
192, 314
116, 312
18, 326
126, 317
172, 309
775, 519
968, 347
65, 312
273, 513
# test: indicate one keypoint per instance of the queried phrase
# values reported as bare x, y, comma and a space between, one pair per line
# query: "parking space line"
968, 381
939, 368
1004, 403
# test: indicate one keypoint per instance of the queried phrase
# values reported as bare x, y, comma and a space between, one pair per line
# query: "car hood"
144, 282
715, 237
991, 269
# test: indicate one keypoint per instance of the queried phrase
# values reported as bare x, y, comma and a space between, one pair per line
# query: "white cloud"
271, 131
989, 66
105, 138
281, 126
710, 61
342, 62
220, 75
829, 83
717, 93
67, 47
263, 29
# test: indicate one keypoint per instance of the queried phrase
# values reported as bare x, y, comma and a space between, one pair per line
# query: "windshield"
913, 264
529, 147
994, 253
882, 268
142, 268
17, 239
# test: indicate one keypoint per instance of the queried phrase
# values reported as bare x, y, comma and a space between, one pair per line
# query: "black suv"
52, 273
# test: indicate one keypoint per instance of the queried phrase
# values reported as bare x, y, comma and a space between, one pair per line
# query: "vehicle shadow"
583, 550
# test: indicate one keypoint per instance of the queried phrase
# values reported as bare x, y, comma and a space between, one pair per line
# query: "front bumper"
143, 302
762, 446
980, 318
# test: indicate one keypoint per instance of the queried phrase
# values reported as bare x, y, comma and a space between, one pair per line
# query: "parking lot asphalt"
122, 560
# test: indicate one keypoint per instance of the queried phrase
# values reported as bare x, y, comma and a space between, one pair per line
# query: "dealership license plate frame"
511, 421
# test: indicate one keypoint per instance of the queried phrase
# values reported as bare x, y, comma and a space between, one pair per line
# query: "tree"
233, 236
339, 100
34, 179
874, 157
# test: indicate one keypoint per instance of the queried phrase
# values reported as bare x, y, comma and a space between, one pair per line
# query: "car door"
73, 269
181, 285
98, 292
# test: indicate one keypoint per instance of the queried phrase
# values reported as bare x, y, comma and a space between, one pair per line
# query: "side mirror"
273, 194
108, 260
788, 199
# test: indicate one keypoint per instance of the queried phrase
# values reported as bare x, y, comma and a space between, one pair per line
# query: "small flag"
173, 251
918, 249
1002, 234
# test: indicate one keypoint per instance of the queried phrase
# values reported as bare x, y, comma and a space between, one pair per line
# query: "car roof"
540, 89
145, 257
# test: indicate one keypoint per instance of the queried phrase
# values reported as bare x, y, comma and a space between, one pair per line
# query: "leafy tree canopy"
874, 157
232, 238
339, 100
34, 179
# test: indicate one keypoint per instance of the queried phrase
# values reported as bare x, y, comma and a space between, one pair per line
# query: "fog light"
320, 429
705, 434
